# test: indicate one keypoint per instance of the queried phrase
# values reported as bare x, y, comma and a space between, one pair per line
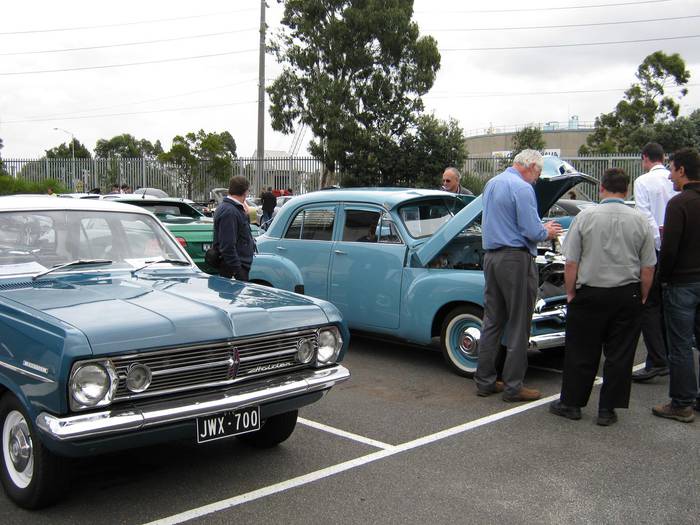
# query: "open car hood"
556, 179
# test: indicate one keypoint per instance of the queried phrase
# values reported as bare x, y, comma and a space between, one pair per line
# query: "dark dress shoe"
648, 373
560, 409
498, 387
606, 417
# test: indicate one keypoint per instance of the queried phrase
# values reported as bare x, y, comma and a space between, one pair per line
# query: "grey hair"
529, 156
455, 171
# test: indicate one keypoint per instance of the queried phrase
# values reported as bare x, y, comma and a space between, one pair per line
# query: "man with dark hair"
232, 234
652, 192
679, 274
269, 201
451, 182
610, 260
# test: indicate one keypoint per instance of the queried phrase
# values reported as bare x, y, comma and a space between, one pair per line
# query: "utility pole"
261, 102
72, 152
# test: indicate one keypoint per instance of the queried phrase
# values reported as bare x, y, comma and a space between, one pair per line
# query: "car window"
312, 224
423, 218
361, 225
31, 241
557, 211
387, 232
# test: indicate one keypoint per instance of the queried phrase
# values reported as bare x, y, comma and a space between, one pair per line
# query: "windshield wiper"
77, 262
178, 262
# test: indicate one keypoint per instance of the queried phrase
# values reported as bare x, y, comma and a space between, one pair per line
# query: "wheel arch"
443, 312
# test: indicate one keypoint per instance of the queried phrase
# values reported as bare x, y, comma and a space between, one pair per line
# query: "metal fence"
481, 169
301, 174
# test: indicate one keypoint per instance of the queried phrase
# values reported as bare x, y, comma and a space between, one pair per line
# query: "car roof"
386, 197
42, 202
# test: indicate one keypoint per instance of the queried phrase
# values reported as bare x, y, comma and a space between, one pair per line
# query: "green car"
192, 229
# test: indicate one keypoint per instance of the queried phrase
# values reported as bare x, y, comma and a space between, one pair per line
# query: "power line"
210, 106
530, 93
139, 22
561, 8
108, 66
125, 44
145, 101
564, 26
581, 44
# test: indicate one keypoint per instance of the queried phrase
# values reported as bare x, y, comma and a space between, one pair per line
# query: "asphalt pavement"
407, 441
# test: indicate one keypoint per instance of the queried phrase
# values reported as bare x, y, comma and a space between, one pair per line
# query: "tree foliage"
354, 73
13, 185
644, 104
69, 149
530, 137
217, 150
128, 147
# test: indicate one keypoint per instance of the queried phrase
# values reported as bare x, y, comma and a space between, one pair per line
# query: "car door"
366, 268
307, 242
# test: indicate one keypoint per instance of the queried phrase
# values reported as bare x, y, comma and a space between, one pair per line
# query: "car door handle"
281, 249
340, 252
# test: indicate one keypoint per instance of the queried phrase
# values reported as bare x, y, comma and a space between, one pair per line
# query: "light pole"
72, 152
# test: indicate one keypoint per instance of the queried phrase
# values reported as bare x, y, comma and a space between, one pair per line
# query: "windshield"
425, 217
35, 241
176, 212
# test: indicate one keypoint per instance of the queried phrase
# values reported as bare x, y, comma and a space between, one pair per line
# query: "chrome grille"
186, 368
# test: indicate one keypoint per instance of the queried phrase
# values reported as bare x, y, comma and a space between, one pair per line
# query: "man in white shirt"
652, 191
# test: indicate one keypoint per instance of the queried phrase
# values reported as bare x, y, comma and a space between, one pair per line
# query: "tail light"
182, 241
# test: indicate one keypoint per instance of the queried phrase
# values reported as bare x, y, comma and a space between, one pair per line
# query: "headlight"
329, 345
138, 378
305, 351
92, 384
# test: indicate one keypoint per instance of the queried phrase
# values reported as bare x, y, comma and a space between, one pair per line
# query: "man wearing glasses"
450, 182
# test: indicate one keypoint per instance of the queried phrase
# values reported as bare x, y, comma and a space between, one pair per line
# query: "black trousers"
653, 329
606, 320
241, 275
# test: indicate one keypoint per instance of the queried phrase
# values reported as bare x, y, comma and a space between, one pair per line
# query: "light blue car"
111, 338
407, 264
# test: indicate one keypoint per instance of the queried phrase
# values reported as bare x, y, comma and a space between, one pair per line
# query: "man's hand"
570, 296
553, 229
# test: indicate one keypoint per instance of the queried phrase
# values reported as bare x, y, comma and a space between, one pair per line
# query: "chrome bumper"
541, 342
128, 419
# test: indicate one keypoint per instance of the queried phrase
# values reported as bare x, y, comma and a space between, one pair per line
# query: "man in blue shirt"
511, 229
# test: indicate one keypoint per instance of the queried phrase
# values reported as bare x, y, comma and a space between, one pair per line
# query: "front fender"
279, 272
427, 290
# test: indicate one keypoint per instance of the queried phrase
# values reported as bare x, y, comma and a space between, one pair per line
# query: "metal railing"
301, 174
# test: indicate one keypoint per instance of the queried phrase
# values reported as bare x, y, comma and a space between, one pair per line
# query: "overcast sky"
170, 96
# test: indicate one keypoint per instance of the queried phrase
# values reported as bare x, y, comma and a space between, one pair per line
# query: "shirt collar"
612, 199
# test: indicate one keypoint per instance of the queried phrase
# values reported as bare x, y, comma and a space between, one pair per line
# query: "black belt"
510, 249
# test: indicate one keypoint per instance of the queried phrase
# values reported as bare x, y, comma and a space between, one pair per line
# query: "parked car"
195, 232
564, 211
254, 209
111, 339
407, 263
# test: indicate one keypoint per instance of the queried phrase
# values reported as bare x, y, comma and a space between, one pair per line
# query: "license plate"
205, 247
227, 424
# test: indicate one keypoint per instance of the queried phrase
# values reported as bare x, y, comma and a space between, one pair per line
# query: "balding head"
450, 179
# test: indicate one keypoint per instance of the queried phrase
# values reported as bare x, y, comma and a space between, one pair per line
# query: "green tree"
354, 73
127, 146
65, 151
2, 168
529, 137
645, 103
208, 155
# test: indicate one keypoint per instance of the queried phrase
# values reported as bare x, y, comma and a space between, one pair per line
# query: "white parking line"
305, 479
343, 433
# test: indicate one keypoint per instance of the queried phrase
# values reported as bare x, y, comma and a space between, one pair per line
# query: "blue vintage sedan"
407, 263
111, 338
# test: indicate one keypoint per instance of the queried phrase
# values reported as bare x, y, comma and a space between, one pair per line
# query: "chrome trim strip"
26, 372
260, 357
558, 312
190, 368
553, 340
84, 426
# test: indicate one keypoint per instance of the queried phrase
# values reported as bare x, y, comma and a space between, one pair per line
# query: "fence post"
46, 164
143, 172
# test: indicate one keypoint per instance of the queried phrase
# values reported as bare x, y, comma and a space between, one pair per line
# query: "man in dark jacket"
232, 234
269, 201
679, 275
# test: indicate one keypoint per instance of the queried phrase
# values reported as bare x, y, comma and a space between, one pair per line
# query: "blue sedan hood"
123, 314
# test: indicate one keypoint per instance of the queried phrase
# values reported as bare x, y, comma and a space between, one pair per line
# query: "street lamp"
72, 151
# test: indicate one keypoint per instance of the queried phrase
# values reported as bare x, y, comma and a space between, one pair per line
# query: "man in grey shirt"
610, 260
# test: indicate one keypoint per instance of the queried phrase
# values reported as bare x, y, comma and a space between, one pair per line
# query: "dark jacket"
233, 237
679, 259
269, 201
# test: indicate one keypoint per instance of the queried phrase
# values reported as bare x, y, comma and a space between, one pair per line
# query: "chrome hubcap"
20, 446
469, 342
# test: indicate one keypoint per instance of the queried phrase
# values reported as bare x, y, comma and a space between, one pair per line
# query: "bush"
13, 186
